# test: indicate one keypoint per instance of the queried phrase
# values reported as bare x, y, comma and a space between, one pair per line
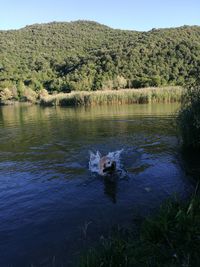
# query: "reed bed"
123, 96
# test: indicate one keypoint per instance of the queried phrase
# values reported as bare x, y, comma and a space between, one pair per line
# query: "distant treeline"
87, 56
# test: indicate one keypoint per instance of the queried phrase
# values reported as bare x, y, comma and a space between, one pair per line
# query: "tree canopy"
85, 55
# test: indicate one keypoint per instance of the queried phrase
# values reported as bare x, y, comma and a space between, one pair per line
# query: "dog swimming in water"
105, 165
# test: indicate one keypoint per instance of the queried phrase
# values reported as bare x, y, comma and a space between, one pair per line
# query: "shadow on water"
47, 192
110, 188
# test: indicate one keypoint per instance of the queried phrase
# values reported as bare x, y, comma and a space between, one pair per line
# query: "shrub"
8, 94
29, 95
43, 93
189, 118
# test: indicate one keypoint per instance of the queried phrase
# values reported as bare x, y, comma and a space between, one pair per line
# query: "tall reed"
123, 96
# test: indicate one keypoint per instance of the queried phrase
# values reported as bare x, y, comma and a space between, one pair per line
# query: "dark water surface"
51, 205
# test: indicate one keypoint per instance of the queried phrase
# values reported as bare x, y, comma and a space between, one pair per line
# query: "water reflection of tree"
110, 188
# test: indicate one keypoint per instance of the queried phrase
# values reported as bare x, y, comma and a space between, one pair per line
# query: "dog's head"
109, 165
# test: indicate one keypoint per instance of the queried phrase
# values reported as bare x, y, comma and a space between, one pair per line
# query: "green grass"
170, 239
123, 96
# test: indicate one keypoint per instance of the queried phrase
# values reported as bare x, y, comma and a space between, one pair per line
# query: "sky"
141, 15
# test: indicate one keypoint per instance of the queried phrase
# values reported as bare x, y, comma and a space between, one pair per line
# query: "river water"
52, 205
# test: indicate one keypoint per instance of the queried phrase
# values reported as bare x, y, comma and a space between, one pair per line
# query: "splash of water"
95, 158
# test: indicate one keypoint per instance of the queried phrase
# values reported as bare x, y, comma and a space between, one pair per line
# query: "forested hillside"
85, 55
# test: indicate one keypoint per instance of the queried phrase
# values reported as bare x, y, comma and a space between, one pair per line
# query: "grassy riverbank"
123, 96
171, 239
